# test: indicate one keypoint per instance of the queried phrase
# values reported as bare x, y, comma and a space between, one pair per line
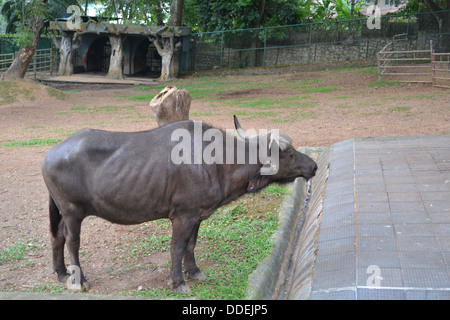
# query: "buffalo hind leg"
73, 230
190, 267
58, 243
182, 229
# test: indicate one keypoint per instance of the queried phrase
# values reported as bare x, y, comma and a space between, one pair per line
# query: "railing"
5, 61
440, 66
42, 61
404, 65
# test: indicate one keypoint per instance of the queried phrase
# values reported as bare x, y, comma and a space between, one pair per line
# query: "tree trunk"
444, 29
66, 49
176, 12
252, 57
166, 53
115, 63
171, 105
167, 69
21, 62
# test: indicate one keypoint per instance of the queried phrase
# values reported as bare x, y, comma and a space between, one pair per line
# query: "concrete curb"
263, 282
270, 275
303, 252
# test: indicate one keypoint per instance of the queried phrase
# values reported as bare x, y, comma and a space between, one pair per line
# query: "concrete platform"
89, 78
379, 226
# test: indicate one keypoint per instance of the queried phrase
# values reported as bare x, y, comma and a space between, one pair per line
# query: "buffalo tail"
55, 217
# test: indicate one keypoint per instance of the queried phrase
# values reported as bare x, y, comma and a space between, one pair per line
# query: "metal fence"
328, 41
440, 66
43, 61
336, 40
397, 62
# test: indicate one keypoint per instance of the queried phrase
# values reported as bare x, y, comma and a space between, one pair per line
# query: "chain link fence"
330, 41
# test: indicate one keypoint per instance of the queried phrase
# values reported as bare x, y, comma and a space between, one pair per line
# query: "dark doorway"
147, 61
154, 62
98, 55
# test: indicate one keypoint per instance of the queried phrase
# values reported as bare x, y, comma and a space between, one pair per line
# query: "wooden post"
171, 105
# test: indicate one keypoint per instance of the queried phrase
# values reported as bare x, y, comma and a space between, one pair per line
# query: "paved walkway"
385, 224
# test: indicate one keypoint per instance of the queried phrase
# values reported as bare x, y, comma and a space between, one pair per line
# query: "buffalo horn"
284, 139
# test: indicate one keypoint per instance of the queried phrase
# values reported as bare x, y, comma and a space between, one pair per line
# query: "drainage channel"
302, 252
277, 275
288, 273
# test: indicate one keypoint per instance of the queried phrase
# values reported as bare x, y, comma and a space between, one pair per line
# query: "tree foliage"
151, 12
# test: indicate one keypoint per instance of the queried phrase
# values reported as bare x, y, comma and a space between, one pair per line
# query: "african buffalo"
130, 178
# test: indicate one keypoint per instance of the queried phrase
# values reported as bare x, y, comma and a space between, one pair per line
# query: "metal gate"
404, 65
440, 66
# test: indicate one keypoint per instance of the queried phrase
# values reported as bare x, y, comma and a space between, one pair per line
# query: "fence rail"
404, 65
5, 61
440, 66
326, 41
43, 61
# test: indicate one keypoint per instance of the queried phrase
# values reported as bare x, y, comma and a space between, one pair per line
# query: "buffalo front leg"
190, 267
73, 230
182, 229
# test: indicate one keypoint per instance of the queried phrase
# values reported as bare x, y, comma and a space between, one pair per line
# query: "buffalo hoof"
182, 288
63, 277
85, 286
200, 276
66, 278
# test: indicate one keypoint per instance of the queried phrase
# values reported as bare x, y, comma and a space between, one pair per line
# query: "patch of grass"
148, 88
263, 114
295, 116
273, 103
320, 89
344, 105
399, 108
102, 108
369, 70
151, 244
11, 90
232, 242
34, 143
74, 91
384, 83
141, 97
17, 251
305, 83
58, 94
113, 108
78, 108
48, 288
236, 243
276, 190
32, 127
201, 114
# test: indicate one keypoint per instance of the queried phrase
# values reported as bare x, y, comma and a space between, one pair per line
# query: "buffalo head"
290, 163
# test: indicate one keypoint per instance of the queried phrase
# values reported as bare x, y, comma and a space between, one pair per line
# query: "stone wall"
209, 56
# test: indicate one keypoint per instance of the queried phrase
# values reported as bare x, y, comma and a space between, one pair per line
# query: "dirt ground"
354, 105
